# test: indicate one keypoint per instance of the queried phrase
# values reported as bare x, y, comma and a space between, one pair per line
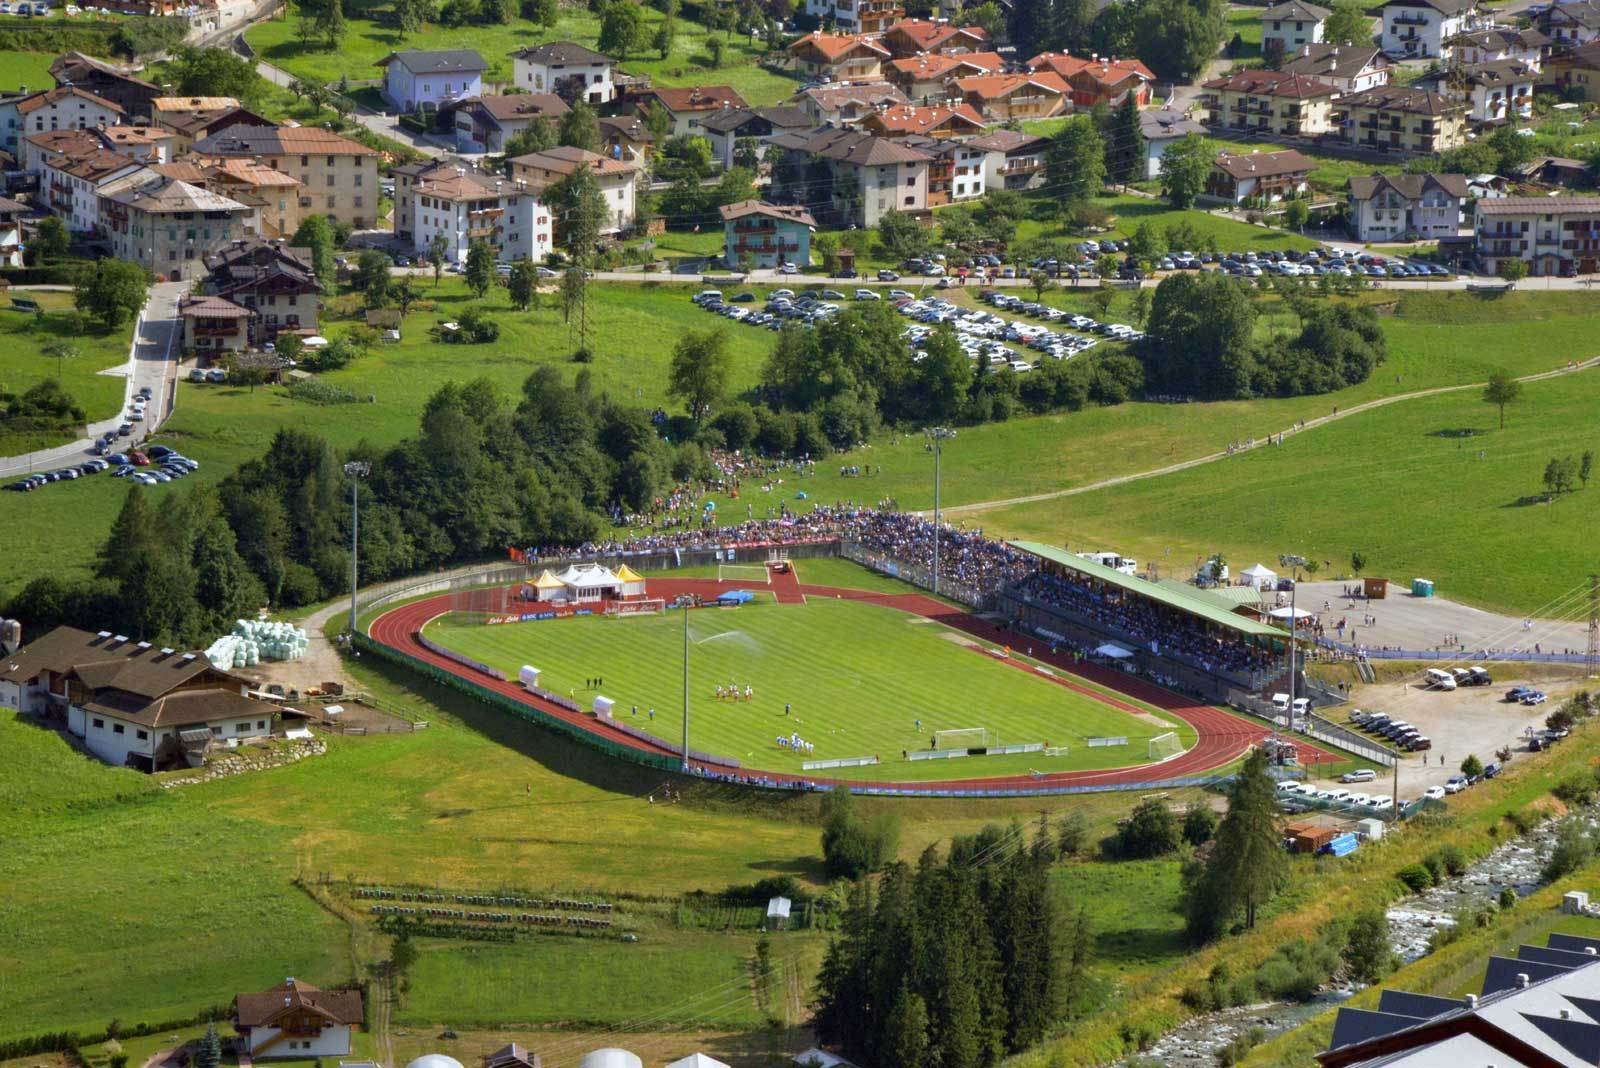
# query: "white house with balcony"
424, 81
1396, 207
1289, 25
569, 70
295, 1020
1418, 29
453, 199
1501, 91
1552, 235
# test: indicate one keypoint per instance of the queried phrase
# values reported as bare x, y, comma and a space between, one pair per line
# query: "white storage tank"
610, 1057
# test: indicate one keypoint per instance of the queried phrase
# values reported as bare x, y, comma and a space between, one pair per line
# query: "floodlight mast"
357, 470
936, 436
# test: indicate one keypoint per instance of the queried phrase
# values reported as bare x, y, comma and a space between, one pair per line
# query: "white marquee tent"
1260, 577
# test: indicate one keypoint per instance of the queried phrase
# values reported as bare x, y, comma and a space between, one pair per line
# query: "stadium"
1035, 670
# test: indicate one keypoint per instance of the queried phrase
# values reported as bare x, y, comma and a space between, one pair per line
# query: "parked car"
887, 275
867, 294
1434, 793
1455, 784
1533, 697
1359, 775
788, 268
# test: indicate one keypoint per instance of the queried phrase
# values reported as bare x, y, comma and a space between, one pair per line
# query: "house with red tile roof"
1270, 102
1004, 97
1098, 79
685, 104
928, 79
839, 56
939, 122
910, 37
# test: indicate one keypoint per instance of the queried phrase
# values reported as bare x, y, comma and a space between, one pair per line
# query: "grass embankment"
30, 69
862, 680
367, 41
24, 364
1324, 891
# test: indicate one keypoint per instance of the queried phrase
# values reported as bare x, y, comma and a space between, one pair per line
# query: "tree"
1125, 143
1075, 161
403, 293
1200, 336
851, 847
216, 72
480, 267
1513, 149
621, 28
61, 352
1366, 947
1586, 467
1151, 831
524, 284
329, 23
714, 51
371, 276
1199, 823
51, 240
410, 15
1248, 866
1185, 166
1040, 282
1358, 561
1512, 269
1102, 299
700, 370
537, 136
907, 1027
1140, 306
579, 128
316, 234
658, 121
493, 12
579, 210
1573, 849
112, 291
1561, 474
1349, 24
1296, 215
988, 16
544, 13
1177, 38
1472, 767
667, 31
901, 236
402, 955
1501, 390
208, 1051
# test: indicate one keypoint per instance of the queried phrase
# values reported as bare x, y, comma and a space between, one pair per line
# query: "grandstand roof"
1192, 602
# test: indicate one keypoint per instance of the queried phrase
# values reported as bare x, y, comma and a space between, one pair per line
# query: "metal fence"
1313, 726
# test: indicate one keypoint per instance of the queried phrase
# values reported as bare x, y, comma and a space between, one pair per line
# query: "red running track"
1222, 737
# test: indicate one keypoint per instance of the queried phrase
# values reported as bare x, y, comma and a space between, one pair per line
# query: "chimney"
1522, 980
1305, 50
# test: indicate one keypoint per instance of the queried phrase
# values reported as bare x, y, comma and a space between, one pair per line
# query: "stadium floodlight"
1295, 563
936, 436
357, 470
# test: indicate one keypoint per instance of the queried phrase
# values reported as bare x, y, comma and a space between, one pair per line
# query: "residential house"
486, 123
38, 151
1015, 97
1098, 79
455, 199
1162, 129
276, 282
1577, 68
71, 186
846, 105
1348, 68
1552, 235
1570, 24
1288, 25
1500, 91
190, 118
838, 57
569, 70
766, 235
1258, 101
724, 129
11, 215
296, 1020
151, 144
1399, 118
273, 195
425, 81
1011, 159
917, 37
938, 122
338, 176
616, 178
850, 176
130, 703
1258, 177
169, 225
626, 137
929, 79
857, 16
1495, 43
684, 106
1418, 29
956, 172
106, 81
214, 326
65, 107
1556, 171
1405, 207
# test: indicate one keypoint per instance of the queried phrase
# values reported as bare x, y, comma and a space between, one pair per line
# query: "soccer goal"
966, 738
1056, 750
643, 607
1165, 745
750, 574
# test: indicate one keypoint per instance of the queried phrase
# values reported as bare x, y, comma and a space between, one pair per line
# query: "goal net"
965, 738
753, 574
1165, 745
643, 607
1056, 750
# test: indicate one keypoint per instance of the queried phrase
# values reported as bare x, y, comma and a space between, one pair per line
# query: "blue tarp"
736, 597
1341, 846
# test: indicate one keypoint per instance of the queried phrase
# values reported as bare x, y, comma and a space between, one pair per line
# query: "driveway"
152, 361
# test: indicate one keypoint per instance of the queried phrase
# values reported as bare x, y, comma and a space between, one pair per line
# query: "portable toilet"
1421, 587
602, 707
1369, 828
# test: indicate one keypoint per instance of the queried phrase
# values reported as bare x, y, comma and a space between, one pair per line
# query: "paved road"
383, 125
152, 361
1342, 413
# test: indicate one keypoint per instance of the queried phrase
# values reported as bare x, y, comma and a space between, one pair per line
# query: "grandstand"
1198, 641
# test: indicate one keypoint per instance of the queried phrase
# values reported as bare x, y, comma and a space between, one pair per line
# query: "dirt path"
1309, 424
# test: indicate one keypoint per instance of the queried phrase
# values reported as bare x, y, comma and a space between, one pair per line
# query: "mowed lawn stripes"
857, 675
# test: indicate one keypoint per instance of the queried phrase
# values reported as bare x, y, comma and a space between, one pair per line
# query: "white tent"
1115, 652
589, 582
1285, 613
1260, 577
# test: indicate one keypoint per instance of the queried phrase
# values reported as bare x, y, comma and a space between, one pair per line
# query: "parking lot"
145, 465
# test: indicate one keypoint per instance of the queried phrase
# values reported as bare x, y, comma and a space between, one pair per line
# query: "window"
358, 178
331, 201
117, 728
217, 729
99, 724
332, 181
305, 161
261, 724
240, 728
358, 202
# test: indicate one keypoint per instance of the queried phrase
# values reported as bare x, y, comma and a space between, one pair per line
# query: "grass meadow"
31, 69
367, 41
859, 678
23, 363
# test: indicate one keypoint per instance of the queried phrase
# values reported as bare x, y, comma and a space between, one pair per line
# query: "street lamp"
357, 470
1290, 560
936, 436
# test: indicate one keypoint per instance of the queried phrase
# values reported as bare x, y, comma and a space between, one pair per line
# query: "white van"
1439, 680
1302, 707
1280, 702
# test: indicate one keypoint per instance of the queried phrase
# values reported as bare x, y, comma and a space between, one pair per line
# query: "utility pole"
1290, 560
1592, 660
357, 470
936, 436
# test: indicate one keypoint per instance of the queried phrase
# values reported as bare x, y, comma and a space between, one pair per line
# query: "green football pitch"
858, 677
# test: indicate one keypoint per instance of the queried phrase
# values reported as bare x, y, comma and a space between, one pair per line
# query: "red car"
140, 459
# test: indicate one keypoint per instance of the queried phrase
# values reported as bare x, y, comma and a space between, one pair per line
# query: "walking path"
151, 362
1184, 465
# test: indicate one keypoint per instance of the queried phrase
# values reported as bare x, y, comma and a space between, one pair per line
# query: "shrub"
1578, 788
1454, 861
1507, 899
1416, 877
1572, 850
1151, 830
313, 392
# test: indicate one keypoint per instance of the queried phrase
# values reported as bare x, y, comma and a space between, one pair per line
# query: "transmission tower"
1592, 660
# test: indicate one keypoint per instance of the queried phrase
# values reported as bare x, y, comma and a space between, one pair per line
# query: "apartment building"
616, 179
1269, 102
106, 81
1578, 69
1162, 129
1418, 29
1287, 26
684, 106
1348, 68
466, 205
957, 171
930, 79
766, 235
838, 57
857, 16
1264, 177
1011, 159
937, 122
273, 280
1403, 207
1401, 119
1552, 235
569, 70
426, 81
190, 118
1097, 79
70, 186
868, 176
63, 108
169, 225
486, 123
724, 129
1001, 98
914, 37
338, 176
1496, 92
273, 196
1528, 46
1571, 24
